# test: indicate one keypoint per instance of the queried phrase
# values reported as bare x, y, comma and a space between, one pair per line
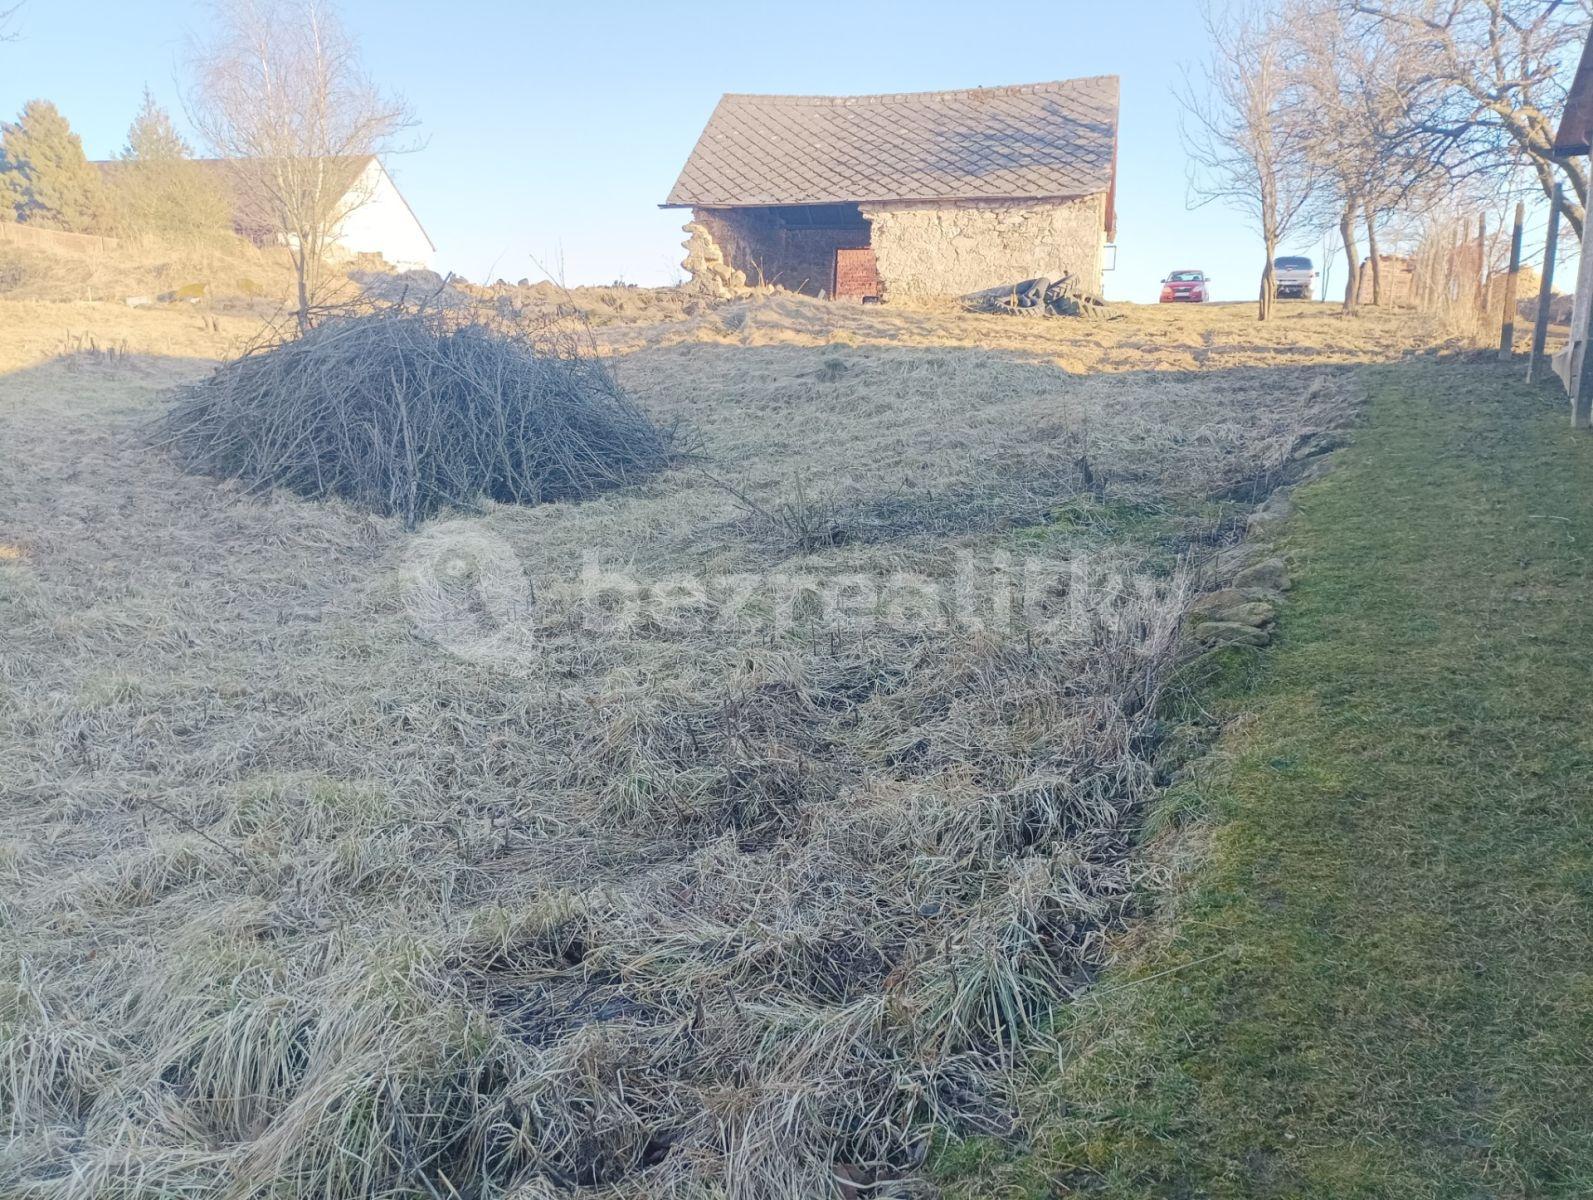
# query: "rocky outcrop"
1249, 578
1216, 634
1252, 578
1270, 574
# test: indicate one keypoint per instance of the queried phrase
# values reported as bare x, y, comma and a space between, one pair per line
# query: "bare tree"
1364, 91
280, 95
1248, 146
1500, 68
1331, 67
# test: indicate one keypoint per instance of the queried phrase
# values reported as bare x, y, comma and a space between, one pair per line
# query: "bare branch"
1495, 70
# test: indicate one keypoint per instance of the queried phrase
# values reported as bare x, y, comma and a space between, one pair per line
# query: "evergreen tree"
159, 189
44, 178
152, 137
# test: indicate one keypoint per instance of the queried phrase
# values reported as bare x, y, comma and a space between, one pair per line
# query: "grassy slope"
1379, 979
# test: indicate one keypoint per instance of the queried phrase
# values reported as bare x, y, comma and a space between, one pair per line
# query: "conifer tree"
159, 189
44, 177
152, 137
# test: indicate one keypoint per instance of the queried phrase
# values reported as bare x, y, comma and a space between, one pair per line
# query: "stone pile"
1242, 613
417, 288
710, 274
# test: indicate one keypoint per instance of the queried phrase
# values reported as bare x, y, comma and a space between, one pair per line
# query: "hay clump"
408, 412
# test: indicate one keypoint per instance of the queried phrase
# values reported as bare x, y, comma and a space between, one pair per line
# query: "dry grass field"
720, 836
237, 277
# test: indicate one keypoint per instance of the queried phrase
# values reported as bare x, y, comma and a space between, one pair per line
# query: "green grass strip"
1377, 978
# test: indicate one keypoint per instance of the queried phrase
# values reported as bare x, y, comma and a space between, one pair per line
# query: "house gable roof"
1033, 141
343, 172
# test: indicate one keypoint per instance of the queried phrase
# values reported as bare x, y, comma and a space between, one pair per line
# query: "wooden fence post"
1480, 300
1450, 267
1540, 326
1507, 326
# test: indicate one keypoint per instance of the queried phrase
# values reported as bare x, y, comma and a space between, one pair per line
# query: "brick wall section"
808, 257
955, 247
855, 274
796, 258
741, 236
1398, 278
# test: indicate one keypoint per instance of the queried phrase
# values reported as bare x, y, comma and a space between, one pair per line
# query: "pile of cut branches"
405, 413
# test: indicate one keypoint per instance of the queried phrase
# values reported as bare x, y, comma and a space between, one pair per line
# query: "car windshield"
1185, 277
1293, 264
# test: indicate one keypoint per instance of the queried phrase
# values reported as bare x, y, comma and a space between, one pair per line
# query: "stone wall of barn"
954, 247
923, 248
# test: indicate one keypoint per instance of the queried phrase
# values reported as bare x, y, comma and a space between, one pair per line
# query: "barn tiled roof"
1034, 140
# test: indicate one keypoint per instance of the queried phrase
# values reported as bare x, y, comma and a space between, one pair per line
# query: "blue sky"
553, 130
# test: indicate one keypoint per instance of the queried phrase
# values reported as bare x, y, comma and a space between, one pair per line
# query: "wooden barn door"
856, 275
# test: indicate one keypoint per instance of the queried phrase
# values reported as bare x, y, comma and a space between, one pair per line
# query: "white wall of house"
382, 222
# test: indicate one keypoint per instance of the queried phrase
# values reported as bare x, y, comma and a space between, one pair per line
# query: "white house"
380, 220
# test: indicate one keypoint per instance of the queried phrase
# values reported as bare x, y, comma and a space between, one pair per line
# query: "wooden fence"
1478, 283
1454, 276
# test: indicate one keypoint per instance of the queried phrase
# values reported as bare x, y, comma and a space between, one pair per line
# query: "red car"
1185, 287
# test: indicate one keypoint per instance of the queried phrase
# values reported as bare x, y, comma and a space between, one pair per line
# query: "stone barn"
902, 196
